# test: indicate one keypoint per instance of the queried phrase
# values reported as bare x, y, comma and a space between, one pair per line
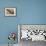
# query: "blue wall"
28, 12
33, 12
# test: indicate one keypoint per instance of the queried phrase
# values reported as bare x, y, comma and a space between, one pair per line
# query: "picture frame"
10, 11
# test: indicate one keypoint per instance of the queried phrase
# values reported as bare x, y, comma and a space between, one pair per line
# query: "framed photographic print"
10, 11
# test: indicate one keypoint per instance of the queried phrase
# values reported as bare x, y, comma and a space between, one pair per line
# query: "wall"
28, 12
8, 24
33, 12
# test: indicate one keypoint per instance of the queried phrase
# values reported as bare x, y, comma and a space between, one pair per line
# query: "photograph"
10, 11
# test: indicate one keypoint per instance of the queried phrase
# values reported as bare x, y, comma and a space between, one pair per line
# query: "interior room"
22, 12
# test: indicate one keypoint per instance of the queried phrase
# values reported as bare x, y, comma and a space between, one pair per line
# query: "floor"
7, 45
30, 43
